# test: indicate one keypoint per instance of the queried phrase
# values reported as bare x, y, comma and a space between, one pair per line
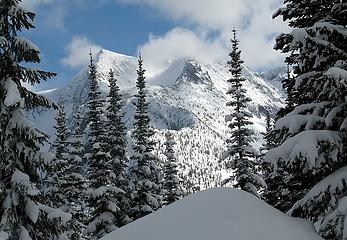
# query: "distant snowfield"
220, 213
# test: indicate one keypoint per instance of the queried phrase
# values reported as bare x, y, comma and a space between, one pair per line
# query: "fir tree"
54, 195
117, 149
54, 192
268, 143
276, 192
312, 137
240, 154
61, 132
268, 128
102, 191
144, 164
19, 141
172, 191
75, 186
288, 85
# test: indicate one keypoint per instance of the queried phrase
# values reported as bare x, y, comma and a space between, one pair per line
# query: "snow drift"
220, 213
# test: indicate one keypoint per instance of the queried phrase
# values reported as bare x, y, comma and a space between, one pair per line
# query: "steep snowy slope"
217, 214
275, 77
187, 98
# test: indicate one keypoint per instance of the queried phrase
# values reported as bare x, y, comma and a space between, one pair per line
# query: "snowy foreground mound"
221, 213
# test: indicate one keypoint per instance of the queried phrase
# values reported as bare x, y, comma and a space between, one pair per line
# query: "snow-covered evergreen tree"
117, 149
102, 193
275, 192
288, 85
75, 185
54, 196
144, 165
62, 133
312, 137
54, 192
269, 144
22, 212
240, 154
290, 90
171, 186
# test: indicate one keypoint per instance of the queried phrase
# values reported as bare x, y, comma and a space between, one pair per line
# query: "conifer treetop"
240, 154
144, 165
19, 141
235, 61
14, 51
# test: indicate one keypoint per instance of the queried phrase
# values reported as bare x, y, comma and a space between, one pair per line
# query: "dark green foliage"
95, 105
171, 186
117, 150
54, 194
75, 186
288, 85
240, 154
144, 167
317, 115
97, 138
276, 189
19, 142
102, 194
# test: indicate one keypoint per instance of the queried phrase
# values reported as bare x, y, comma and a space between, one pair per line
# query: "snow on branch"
338, 74
103, 190
330, 187
295, 122
55, 213
26, 44
23, 180
13, 96
306, 147
329, 119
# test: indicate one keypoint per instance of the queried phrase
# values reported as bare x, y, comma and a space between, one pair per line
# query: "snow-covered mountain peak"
169, 75
275, 77
188, 97
123, 66
194, 72
105, 55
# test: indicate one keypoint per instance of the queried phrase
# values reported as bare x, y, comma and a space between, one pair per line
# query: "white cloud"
199, 20
78, 50
213, 14
180, 43
52, 12
55, 17
33, 4
253, 18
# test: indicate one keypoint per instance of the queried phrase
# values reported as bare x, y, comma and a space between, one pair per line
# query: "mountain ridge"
187, 98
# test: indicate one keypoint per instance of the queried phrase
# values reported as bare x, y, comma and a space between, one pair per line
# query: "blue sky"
113, 26
66, 29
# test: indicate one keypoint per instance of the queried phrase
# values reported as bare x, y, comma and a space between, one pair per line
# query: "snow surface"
220, 213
